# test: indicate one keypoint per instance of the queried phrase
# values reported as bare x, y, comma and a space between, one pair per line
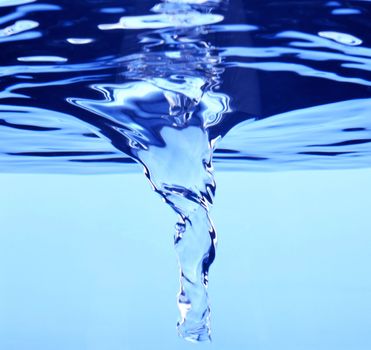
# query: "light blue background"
87, 263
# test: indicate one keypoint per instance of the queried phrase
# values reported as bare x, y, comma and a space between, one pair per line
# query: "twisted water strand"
195, 242
182, 174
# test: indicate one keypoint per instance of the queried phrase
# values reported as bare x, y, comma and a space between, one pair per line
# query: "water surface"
175, 87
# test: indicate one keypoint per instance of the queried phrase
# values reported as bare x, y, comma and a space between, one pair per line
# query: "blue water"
179, 87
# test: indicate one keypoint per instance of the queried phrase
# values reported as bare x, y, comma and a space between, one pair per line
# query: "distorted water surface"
178, 88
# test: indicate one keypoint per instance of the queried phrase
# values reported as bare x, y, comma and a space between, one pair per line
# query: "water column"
162, 109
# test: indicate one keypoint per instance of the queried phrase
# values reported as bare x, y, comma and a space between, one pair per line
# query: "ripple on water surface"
177, 85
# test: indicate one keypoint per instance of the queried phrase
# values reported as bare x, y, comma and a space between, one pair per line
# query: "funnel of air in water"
159, 115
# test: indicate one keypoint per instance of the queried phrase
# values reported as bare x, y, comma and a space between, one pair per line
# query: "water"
180, 87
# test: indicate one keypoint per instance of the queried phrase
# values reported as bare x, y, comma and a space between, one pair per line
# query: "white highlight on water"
79, 41
18, 27
342, 38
